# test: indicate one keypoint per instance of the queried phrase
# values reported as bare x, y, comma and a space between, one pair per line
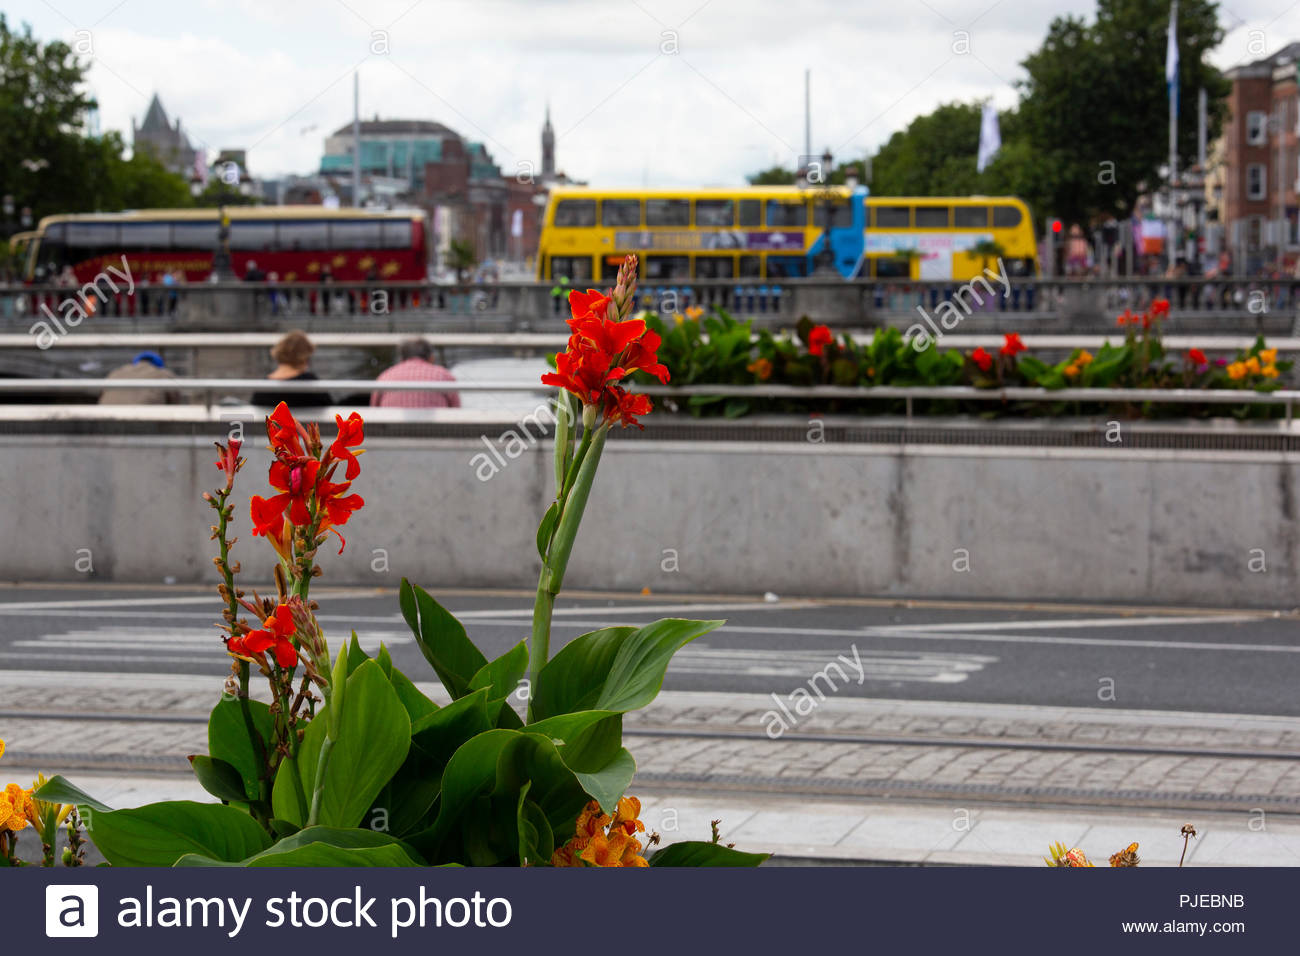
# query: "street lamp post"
826, 257
221, 269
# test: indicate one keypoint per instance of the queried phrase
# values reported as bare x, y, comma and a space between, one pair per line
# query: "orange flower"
591, 845
623, 408
761, 367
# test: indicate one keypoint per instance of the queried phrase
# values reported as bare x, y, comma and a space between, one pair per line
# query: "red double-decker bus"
287, 244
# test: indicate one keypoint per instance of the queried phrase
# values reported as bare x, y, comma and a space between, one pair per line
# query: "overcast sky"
641, 91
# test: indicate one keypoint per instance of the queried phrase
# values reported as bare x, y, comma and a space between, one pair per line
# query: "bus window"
620, 212
714, 213
892, 217
396, 233
894, 268
89, 239
260, 236
750, 266
667, 212
200, 236
751, 213
146, 235
1005, 217
667, 268
574, 268
349, 234
786, 267
842, 217
713, 267
931, 217
970, 217
575, 212
785, 214
609, 266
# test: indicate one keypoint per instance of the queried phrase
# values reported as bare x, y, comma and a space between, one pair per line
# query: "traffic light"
1055, 226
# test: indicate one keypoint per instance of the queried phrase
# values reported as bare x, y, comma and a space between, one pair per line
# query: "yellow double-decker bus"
779, 232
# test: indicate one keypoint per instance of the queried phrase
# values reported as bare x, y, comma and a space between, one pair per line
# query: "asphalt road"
1161, 658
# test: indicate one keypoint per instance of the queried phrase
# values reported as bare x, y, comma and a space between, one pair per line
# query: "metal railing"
768, 301
209, 389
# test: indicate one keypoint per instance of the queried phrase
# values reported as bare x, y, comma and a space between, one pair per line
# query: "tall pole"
807, 116
356, 138
1172, 63
1202, 126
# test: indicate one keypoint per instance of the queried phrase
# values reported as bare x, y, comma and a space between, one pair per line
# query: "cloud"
657, 91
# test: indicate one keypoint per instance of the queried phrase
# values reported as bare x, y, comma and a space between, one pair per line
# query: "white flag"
1171, 51
990, 137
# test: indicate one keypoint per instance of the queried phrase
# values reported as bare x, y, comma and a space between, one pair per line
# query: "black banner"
669, 912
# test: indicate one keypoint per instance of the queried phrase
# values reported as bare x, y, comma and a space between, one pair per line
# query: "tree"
933, 156
776, 176
461, 257
48, 161
1095, 107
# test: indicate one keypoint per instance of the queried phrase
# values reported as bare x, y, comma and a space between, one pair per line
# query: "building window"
1256, 128
1256, 181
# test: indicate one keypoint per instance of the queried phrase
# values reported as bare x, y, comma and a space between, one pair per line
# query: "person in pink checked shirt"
415, 365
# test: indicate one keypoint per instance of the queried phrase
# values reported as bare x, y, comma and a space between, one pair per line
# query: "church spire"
548, 147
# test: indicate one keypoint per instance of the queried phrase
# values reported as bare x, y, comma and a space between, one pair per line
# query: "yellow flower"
1268, 356
1269, 371
694, 311
1252, 365
16, 808
2, 748
592, 846
679, 318
56, 813
1236, 371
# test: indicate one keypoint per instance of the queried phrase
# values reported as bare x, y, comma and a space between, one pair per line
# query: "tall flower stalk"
308, 506
605, 347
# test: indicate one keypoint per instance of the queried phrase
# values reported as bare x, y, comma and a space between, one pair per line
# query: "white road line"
939, 668
1085, 623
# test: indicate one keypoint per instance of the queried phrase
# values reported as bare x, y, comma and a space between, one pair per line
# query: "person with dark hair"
144, 365
292, 355
415, 365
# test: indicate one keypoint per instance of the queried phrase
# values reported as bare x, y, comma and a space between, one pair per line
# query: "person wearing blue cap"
144, 365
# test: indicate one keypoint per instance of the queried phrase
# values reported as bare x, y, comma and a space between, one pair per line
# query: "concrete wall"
1078, 524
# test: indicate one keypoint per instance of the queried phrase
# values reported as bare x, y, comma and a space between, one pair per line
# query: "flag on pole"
1171, 50
990, 137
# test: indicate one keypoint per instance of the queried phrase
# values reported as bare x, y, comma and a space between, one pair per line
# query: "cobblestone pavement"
707, 741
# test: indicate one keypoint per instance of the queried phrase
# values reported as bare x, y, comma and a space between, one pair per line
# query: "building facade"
1255, 187
166, 142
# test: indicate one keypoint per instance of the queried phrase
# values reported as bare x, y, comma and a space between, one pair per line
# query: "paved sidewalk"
855, 780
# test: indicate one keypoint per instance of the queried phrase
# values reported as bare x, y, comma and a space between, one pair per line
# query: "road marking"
935, 668
168, 640
1100, 622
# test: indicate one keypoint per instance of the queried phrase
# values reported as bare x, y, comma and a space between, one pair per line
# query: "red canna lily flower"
285, 433
1197, 357
278, 629
1127, 318
584, 371
1160, 308
1013, 345
592, 303
642, 355
982, 359
351, 434
228, 459
623, 408
335, 508
269, 521
818, 339
296, 483
606, 336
